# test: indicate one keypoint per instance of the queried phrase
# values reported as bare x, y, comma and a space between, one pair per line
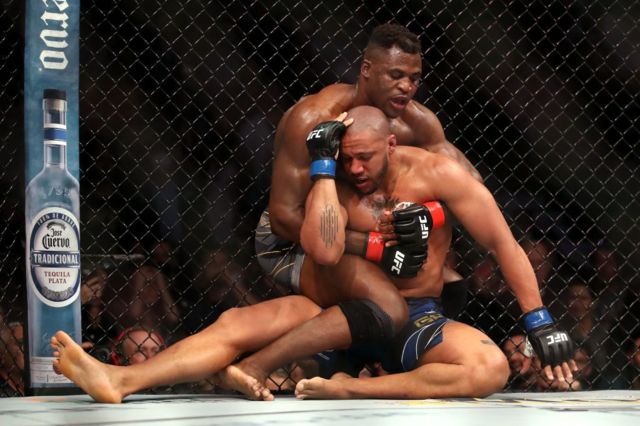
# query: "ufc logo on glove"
315, 134
424, 226
557, 338
397, 260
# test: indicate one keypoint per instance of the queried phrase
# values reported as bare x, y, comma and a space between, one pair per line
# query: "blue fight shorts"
422, 332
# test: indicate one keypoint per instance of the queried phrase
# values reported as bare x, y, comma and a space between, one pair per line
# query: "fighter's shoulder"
420, 117
422, 161
338, 92
324, 104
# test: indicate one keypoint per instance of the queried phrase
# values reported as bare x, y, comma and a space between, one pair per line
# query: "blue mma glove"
552, 345
323, 143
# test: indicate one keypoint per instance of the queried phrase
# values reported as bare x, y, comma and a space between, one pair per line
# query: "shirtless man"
389, 76
436, 357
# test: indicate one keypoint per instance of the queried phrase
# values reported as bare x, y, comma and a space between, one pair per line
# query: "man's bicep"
446, 148
289, 188
476, 209
432, 138
290, 182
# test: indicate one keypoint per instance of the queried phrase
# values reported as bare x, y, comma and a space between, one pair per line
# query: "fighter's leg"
194, 358
466, 364
353, 278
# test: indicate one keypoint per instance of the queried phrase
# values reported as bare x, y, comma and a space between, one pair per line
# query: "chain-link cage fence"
179, 104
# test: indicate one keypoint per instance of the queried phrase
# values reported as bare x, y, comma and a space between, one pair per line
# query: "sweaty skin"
466, 363
379, 173
388, 81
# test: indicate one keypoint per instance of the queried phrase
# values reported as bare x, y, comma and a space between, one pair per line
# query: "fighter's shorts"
422, 332
280, 259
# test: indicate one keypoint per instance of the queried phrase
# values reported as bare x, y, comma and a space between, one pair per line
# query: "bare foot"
234, 377
88, 373
319, 388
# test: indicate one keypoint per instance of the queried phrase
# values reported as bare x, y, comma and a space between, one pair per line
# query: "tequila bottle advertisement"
52, 193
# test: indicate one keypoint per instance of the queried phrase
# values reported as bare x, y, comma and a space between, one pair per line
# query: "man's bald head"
368, 119
366, 148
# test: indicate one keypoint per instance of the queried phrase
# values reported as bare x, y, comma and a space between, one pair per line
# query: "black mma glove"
413, 224
403, 261
323, 143
552, 345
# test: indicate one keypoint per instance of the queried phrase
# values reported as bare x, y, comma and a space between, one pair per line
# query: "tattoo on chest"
378, 203
328, 225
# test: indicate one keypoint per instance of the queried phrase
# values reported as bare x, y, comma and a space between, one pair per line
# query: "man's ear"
365, 68
392, 143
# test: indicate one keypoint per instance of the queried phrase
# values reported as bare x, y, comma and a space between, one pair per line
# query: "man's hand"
411, 223
323, 143
402, 261
553, 346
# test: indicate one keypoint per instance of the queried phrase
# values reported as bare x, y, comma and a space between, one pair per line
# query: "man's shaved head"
368, 119
365, 149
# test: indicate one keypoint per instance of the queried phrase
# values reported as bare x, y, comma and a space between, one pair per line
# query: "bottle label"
42, 371
54, 256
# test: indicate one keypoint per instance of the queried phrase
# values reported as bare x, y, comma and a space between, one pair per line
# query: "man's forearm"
355, 242
322, 235
519, 275
287, 224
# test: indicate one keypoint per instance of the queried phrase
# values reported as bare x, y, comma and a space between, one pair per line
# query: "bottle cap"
55, 94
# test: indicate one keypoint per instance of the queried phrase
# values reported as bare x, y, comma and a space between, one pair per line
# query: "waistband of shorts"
419, 303
423, 299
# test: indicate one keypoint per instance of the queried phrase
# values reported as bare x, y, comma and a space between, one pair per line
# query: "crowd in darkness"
133, 309
593, 303
176, 151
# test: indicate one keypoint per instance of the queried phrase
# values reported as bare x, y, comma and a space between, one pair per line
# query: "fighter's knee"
502, 371
489, 374
394, 305
399, 313
369, 322
303, 306
229, 317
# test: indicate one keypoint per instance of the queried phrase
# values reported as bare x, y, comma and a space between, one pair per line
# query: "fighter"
389, 76
439, 357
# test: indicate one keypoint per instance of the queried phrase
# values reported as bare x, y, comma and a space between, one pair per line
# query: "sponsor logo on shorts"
427, 319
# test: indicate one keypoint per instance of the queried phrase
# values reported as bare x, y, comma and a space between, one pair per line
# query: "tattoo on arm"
328, 225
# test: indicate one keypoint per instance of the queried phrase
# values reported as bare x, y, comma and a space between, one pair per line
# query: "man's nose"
356, 167
405, 85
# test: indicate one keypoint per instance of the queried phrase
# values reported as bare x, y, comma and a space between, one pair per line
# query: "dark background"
179, 101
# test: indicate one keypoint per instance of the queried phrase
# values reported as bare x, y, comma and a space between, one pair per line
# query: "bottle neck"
55, 154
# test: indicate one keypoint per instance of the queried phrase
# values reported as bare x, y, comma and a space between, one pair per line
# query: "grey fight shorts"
280, 259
